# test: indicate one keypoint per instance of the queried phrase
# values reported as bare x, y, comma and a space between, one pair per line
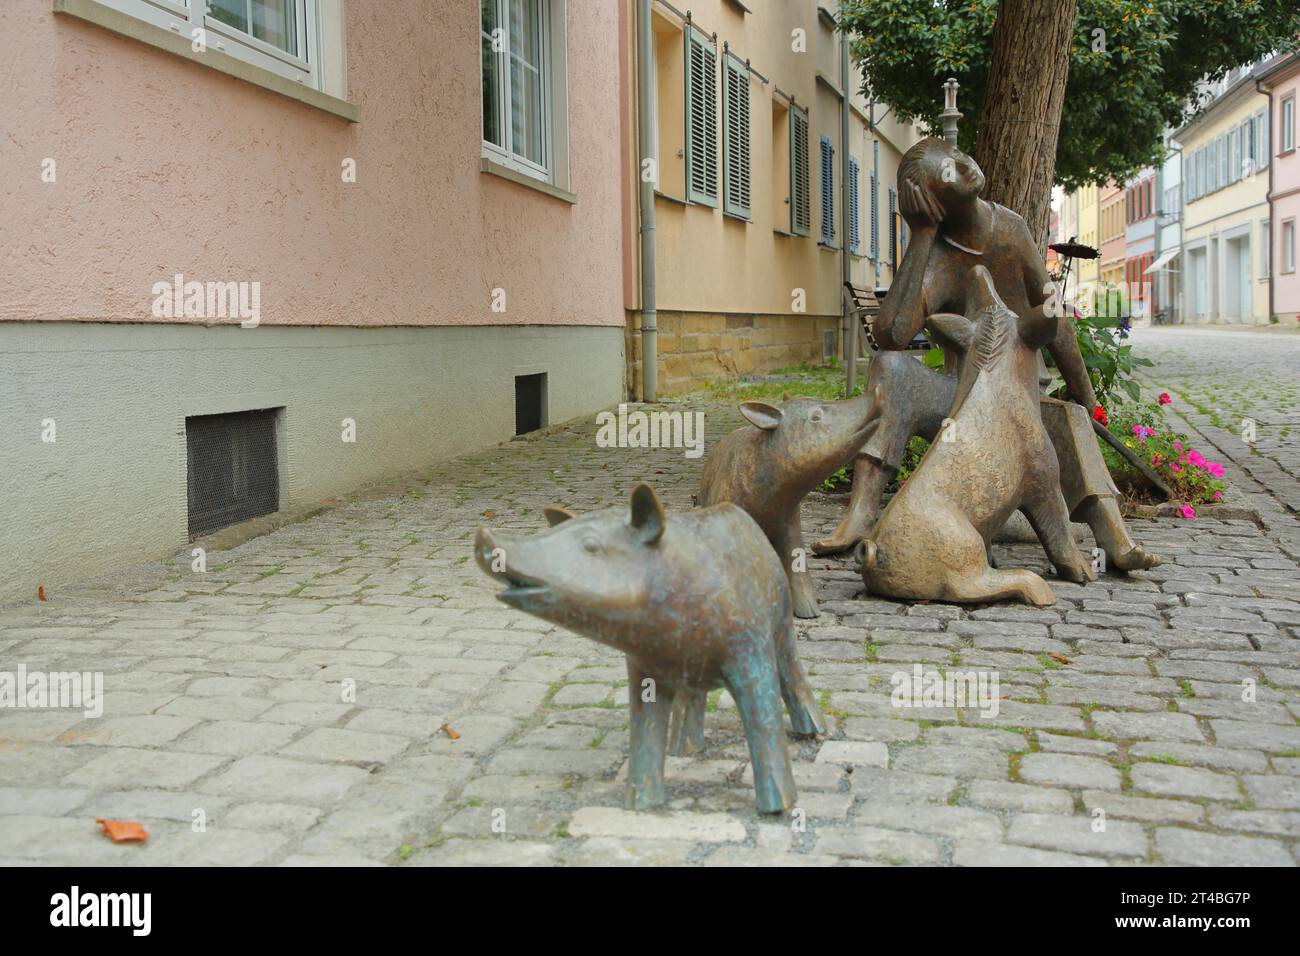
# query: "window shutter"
1223, 159
701, 118
828, 190
1261, 121
853, 206
735, 139
893, 229
800, 189
875, 218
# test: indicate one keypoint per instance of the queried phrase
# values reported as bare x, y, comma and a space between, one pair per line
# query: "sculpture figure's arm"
1041, 325
903, 312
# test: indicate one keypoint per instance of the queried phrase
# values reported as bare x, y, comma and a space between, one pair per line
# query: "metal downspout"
850, 327
647, 129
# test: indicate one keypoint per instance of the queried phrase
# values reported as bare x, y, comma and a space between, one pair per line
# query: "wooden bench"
866, 306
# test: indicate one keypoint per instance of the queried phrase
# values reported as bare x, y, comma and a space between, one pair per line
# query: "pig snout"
485, 550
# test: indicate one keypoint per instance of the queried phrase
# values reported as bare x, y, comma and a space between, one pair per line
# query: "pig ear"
761, 414
556, 515
785, 396
647, 513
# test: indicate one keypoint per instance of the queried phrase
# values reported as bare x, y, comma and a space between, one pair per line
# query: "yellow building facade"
748, 210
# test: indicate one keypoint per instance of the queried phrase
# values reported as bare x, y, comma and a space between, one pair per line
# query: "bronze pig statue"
992, 456
694, 602
769, 469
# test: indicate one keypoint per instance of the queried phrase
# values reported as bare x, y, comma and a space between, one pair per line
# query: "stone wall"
697, 348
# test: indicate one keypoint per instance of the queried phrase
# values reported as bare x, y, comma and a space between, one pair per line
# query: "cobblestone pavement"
285, 706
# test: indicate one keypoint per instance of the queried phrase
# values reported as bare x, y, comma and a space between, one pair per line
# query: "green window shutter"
735, 139
800, 189
828, 190
875, 202
853, 206
701, 118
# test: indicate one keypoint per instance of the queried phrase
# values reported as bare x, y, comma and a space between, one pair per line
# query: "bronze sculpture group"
707, 598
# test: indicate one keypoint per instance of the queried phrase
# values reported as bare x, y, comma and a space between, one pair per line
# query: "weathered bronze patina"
695, 601
992, 457
768, 470
954, 230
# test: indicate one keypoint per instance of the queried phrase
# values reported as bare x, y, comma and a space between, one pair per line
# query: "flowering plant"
1192, 477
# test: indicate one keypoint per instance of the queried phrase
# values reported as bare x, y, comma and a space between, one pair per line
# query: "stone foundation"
698, 348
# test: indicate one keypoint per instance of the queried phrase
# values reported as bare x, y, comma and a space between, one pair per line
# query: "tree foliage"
1135, 67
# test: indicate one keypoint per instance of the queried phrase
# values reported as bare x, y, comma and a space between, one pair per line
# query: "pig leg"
805, 716
687, 734
1050, 519
755, 685
649, 735
788, 542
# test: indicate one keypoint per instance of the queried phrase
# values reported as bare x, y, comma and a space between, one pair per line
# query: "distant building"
1140, 197
1165, 272
1279, 78
1110, 200
1225, 221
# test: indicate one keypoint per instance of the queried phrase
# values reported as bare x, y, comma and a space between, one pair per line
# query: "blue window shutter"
828, 190
853, 206
893, 229
875, 202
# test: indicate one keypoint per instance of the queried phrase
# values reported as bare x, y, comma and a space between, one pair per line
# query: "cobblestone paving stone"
290, 698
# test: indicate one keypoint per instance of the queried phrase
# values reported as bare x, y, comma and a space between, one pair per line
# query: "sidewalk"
284, 707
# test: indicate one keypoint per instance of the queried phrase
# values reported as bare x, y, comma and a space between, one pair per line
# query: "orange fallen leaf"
489, 514
446, 729
40, 592
1060, 658
120, 831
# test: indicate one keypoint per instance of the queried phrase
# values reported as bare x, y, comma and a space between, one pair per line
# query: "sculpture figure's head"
936, 180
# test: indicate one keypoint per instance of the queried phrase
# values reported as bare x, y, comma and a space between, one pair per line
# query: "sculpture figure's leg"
1090, 494
788, 542
915, 401
687, 736
649, 739
755, 685
805, 716
995, 585
1050, 519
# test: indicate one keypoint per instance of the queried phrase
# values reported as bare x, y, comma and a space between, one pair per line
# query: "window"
1265, 249
701, 118
735, 140
800, 187
521, 60
1288, 245
1287, 130
854, 242
828, 190
282, 36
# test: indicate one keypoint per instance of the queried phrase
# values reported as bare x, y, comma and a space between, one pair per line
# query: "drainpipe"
1268, 154
645, 138
850, 327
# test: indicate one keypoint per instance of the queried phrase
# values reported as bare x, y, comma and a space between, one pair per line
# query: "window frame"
1287, 256
1286, 126
546, 171
183, 17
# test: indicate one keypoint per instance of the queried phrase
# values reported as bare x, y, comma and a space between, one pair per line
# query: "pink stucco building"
1280, 79
256, 253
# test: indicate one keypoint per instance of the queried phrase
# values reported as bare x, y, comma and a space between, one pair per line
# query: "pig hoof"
1039, 594
805, 607
808, 722
835, 544
1135, 559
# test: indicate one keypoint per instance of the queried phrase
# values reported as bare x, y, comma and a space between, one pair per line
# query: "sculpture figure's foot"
870, 478
803, 593
1123, 554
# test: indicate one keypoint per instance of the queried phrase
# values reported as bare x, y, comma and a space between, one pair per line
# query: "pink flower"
1188, 512
1218, 494
1195, 458
1177, 447
1175, 467
1137, 430
1164, 399
1214, 468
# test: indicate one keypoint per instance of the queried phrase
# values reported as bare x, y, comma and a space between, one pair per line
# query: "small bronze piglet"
696, 602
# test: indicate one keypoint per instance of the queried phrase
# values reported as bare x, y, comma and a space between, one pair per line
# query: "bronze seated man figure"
953, 230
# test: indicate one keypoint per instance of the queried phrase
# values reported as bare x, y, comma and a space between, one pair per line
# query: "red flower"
1099, 414
1164, 399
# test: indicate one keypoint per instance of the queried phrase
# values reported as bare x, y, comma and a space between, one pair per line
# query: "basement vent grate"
233, 469
530, 403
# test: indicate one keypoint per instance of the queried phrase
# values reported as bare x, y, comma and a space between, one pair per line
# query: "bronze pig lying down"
695, 602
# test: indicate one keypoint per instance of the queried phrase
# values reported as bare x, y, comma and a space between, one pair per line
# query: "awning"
1163, 261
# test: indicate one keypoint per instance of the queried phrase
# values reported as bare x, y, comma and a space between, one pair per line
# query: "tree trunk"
1022, 107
